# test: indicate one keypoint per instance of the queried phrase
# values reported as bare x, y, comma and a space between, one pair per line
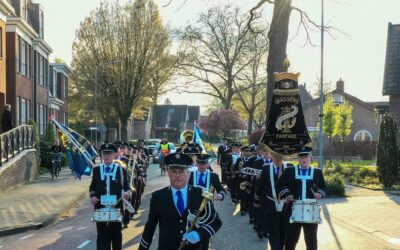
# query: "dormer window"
24, 9
338, 99
41, 24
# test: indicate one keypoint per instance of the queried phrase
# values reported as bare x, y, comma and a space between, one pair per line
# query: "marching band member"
192, 152
244, 181
273, 208
204, 178
300, 183
223, 160
108, 233
233, 172
171, 206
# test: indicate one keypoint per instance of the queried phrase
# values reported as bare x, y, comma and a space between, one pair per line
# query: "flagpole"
76, 144
321, 95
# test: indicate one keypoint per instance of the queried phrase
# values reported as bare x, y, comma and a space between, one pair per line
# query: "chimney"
340, 85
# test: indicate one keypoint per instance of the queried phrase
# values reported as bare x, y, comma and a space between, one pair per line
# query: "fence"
16, 140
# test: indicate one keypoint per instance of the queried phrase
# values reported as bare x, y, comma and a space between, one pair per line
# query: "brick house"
391, 80
6, 9
58, 91
27, 64
365, 128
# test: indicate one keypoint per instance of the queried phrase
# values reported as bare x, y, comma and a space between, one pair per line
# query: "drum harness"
278, 203
304, 179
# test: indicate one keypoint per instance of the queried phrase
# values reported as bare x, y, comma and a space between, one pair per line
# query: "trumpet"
251, 171
207, 196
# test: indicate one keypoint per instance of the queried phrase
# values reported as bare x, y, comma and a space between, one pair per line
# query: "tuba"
186, 136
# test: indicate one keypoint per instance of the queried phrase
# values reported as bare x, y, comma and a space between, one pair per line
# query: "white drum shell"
306, 212
107, 215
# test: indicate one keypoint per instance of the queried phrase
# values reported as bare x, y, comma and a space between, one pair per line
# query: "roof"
304, 95
170, 116
194, 113
391, 79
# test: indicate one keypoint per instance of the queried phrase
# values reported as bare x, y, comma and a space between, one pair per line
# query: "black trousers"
138, 196
276, 227
109, 233
244, 200
223, 175
293, 235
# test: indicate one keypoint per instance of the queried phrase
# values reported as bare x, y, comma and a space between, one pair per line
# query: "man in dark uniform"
233, 172
273, 208
170, 207
204, 178
192, 152
244, 181
300, 183
221, 159
108, 233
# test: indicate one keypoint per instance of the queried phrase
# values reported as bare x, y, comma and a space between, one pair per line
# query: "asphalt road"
75, 231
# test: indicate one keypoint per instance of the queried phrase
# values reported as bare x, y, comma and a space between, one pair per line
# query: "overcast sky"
357, 58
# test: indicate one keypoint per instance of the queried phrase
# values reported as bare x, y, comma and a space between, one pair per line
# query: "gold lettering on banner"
285, 136
291, 99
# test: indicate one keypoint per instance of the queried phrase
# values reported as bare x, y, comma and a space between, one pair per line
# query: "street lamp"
95, 92
321, 95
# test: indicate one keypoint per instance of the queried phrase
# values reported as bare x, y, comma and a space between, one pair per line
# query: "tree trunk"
278, 36
343, 149
123, 128
250, 122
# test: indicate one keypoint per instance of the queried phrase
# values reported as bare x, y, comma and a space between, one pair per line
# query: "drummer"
108, 233
301, 183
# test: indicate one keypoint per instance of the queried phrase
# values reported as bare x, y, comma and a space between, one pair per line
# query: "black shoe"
260, 235
126, 225
266, 235
242, 213
251, 221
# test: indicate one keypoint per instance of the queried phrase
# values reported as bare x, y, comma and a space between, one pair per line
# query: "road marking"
81, 228
395, 241
26, 236
84, 244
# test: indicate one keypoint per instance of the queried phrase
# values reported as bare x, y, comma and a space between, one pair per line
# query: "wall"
19, 170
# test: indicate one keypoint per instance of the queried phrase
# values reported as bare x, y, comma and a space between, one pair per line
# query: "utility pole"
321, 95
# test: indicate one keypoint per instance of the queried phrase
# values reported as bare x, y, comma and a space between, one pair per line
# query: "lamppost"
321, 95
96, 94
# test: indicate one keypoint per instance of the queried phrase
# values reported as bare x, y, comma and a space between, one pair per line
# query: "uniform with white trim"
170, 209
109, 233
301, 183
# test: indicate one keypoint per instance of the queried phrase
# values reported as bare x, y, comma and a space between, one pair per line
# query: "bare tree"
127, 44
213, 53
251, 89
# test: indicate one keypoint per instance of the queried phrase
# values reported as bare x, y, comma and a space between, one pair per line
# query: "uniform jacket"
171, 224
289, 185
221, 150
214, 181
98, 187
264, 188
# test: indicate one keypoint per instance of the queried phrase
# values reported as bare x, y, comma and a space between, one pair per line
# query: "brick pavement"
40, 203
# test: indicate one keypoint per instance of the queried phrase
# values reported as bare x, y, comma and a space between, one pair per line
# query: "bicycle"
55, 165
162, 164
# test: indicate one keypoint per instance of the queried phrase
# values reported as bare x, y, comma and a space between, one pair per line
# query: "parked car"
156, 152
151, 144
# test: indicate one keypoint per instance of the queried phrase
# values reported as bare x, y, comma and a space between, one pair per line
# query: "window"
53, 86
41, 70
338, 99
23, 111
1, 42
41, 119
28, 110
24, 9
17, 55
41, 29
65, 87
363, 137
17, 112
22, 51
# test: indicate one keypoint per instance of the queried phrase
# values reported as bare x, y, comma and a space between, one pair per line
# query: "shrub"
335, 185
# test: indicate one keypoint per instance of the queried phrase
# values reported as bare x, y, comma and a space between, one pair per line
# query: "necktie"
277, 171
201, 182
108, 169
304, 171
179, 204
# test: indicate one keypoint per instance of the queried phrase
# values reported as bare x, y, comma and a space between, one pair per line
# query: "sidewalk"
41, 202
374, 212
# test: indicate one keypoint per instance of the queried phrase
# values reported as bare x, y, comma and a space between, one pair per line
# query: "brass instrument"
207, 196
186, 136
251, 171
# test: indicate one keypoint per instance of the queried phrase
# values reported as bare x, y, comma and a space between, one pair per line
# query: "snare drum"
106, 215
306, 212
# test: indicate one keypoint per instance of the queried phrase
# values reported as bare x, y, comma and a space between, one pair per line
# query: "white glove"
193, 237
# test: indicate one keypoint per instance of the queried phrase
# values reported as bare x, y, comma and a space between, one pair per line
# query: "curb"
46, 221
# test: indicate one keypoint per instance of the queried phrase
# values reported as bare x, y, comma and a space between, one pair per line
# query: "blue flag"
197, 137
79, 151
